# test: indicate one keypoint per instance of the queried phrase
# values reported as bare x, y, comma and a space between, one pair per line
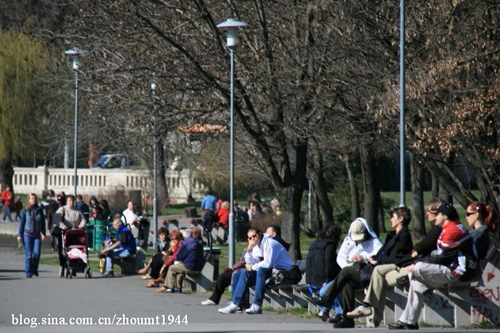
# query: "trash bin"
216, 253
89, 231
241, 230
101, 227
144, 233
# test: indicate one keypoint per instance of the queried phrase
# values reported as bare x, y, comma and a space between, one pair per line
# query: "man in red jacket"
8, 201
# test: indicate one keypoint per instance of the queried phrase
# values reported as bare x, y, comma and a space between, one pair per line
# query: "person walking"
32, 233
8, 201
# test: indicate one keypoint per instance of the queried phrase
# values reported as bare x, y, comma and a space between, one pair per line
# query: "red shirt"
7, 198
223, 214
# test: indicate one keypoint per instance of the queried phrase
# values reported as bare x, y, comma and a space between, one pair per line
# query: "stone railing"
101, 182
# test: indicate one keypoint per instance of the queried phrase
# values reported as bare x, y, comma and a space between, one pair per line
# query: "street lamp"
232, 41
155, 190
74, 56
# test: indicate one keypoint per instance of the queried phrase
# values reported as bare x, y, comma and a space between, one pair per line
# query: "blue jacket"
28, 219
191, 254
209, 202
126, 239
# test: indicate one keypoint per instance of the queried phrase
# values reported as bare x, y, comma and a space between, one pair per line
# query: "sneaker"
399, 325
177, 290
360, 311
254, 309
168, 291
323, 315
231, 308
335, 318
208, 302
109, 274
344, 323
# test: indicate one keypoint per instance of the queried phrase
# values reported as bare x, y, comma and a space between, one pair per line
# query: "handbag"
289, 276
56, 231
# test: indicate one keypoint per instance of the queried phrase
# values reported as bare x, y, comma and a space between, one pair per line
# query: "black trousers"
348, 281
156, 265
223, 281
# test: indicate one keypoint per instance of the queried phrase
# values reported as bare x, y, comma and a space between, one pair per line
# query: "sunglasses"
174, 238
253, 236
469, 213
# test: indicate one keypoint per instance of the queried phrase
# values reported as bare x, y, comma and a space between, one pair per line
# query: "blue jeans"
32, 251
7, 213
117, 252
336, 303
251, 278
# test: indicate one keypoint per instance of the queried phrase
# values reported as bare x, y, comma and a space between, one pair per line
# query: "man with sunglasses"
252, 255
274, 256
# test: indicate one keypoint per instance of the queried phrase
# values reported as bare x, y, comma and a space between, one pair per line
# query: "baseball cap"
447, 209
357, 230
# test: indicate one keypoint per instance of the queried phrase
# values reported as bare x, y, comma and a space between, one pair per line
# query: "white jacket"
350, 249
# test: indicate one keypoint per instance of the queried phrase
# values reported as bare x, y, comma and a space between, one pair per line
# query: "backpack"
293, 275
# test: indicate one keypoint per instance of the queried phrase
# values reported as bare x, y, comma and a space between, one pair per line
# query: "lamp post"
232, 41
402, 190
74, 56
155, 205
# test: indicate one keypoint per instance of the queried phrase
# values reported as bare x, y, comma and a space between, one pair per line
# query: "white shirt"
131, 217
253, 257
275, 255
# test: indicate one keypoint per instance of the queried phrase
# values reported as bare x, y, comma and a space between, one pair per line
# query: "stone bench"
130, 265
201, 281
457, 305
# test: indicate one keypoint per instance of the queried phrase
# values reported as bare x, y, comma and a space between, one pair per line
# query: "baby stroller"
75, 254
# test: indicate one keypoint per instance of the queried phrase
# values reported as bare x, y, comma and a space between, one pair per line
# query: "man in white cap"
358, 247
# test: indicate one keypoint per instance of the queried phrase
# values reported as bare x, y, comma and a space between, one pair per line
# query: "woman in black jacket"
322, 266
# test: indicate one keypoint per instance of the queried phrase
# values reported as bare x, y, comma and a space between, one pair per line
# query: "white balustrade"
102, 182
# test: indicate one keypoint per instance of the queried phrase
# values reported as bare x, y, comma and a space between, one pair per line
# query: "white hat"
357, 230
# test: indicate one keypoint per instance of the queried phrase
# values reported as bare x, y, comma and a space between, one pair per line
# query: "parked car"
110, 161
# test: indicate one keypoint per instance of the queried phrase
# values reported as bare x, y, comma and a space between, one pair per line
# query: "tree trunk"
417, 197
161, 181
6, 174
353, 186
369, 187
291, 199
315, 174
319, 222
449, 183
435, 185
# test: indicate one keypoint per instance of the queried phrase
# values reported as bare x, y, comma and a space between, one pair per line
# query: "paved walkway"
120, 304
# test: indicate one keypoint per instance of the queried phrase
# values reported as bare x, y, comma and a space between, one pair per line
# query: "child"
18, 206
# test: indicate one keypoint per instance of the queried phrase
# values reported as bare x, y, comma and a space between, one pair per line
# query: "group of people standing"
448, 253
55, 215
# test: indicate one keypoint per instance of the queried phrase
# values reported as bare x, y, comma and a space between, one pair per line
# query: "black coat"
321, 263
396, 245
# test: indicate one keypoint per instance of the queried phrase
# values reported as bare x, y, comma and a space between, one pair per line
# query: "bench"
130, 265
457, 305
201, 281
